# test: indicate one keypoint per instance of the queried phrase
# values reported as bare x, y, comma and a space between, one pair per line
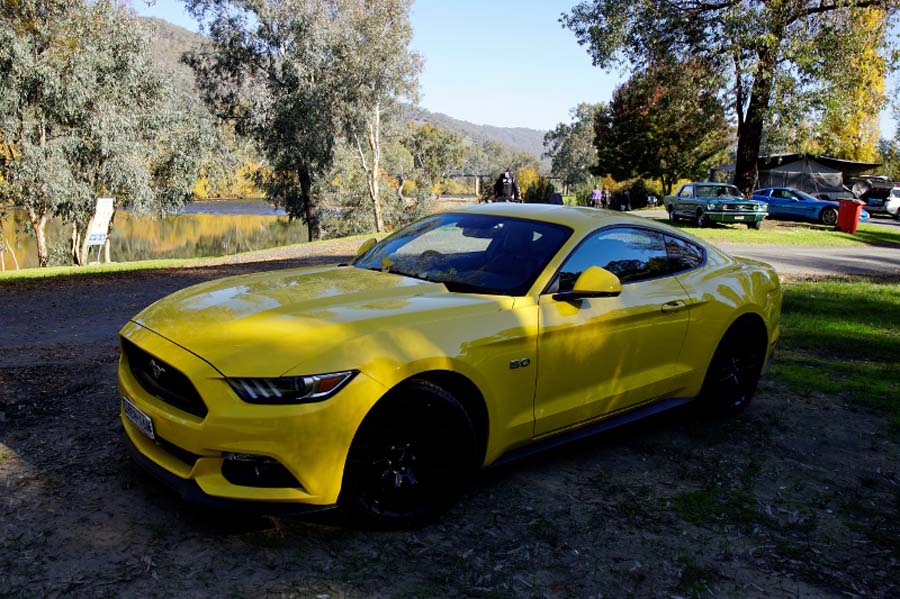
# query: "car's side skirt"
592, 429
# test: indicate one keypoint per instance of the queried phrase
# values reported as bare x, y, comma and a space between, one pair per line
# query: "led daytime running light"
290, 389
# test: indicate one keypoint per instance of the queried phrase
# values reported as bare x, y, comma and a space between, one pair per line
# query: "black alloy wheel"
410, 459
733, 373
828, 216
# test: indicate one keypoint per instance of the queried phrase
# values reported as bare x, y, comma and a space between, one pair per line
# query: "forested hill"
172, 41
520, 139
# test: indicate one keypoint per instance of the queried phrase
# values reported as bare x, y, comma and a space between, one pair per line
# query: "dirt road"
793, 498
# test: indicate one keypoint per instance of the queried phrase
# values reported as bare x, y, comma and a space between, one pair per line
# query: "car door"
683, 203
780, 204
598, 356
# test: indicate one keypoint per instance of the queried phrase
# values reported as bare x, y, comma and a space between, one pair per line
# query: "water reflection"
202, 229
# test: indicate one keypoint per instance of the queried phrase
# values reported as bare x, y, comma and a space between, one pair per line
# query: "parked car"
466, 339
787, 203
714, 202
883, 201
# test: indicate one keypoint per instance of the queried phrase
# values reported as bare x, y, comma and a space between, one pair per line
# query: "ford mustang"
464, 340
705, 203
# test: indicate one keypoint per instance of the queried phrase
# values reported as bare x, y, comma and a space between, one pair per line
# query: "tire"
733, 373
410, 458
702, 219
671, 210
828, 217
757, 225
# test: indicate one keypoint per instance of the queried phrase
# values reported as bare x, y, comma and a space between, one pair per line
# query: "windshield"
712, 191
475, 253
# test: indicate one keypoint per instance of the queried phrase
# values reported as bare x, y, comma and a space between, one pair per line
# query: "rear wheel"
410, 458
828, 216
734, 372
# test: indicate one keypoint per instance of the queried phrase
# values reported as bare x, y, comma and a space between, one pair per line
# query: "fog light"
248, 470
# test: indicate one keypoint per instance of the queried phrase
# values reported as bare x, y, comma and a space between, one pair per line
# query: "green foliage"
294, 75
570, 146
663, 123
85, 113
538, 192
436, 152
757, 48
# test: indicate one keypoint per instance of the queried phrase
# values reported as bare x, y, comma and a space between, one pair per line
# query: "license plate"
738, 218
138, 418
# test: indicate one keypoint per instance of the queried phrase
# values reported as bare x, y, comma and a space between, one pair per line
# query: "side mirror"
366, 246
593, 282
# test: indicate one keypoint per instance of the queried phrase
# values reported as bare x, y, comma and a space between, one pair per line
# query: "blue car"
787, 203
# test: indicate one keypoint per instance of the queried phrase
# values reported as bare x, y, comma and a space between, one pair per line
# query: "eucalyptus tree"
435, 151
381, 70
570, 146
753, 44
85, 114
294, 75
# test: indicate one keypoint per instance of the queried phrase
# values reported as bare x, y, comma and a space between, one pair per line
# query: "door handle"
674, 306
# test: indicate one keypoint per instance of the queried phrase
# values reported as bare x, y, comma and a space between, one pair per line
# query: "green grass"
779, 233
842, 338
116, 267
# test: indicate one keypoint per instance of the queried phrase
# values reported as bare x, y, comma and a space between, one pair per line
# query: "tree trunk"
313, 225
402, 180
750, 128
39, 223
375, 147
109, 234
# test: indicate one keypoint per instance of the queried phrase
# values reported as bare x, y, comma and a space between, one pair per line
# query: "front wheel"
671, 210
755, 225
410, 459
702, 219
829, 217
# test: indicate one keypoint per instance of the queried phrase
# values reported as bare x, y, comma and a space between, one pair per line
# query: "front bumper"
736, 216
311, 440
190, 491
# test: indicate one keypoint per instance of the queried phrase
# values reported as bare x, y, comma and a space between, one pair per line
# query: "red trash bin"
848, 215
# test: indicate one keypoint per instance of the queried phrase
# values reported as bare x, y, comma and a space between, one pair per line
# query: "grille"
163, 381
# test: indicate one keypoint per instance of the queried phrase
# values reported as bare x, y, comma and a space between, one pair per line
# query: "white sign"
100, 223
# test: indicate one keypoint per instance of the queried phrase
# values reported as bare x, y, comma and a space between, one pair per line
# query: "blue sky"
496, 62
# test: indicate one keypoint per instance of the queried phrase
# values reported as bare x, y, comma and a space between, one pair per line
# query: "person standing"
596, 197
604, 197
505, 188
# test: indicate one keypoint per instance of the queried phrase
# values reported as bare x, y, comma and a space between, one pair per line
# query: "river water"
207, 228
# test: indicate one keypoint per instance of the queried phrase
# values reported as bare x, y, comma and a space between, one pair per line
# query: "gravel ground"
798, 496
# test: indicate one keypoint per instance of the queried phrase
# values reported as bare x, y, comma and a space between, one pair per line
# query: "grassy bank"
281, 252
842, 338
780, 233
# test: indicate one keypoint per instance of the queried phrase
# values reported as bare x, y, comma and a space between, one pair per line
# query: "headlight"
291, 389
714, 205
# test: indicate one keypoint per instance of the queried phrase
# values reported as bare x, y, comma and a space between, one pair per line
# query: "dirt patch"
796, 497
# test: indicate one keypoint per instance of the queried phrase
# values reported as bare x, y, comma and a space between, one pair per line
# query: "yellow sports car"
468, 338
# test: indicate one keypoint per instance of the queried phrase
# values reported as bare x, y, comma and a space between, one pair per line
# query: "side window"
685, 192
683, 255
630, 254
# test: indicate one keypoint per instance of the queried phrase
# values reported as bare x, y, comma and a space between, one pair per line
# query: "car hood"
267, 323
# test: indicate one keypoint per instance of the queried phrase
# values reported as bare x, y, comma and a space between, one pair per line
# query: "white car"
885, 205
